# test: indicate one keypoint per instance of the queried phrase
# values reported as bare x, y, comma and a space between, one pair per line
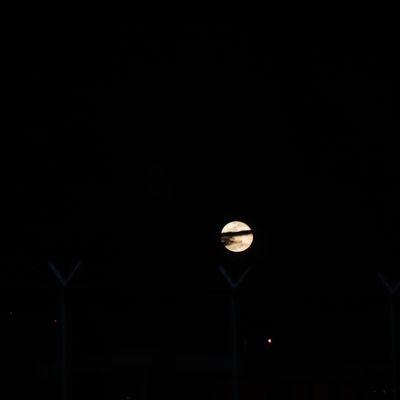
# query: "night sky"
131, 145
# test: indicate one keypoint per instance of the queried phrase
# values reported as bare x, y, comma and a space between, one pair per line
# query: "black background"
121, 132
130, 145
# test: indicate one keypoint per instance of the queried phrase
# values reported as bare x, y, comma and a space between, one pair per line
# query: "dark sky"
132, 144
129, 147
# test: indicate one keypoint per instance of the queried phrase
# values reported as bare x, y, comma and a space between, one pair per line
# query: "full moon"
236, 236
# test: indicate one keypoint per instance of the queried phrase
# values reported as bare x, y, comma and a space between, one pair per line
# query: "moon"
237, 236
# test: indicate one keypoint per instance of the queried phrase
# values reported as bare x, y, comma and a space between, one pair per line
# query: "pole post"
392, 290
393, 345
235, 349
63, 337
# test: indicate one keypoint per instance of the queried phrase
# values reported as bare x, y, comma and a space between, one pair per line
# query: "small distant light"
55, 321
12, 313
268, 342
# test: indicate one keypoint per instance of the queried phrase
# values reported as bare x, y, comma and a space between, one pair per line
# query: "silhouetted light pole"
392, 290
63, 283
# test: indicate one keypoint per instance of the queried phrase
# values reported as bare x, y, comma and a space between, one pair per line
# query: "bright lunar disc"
237, 236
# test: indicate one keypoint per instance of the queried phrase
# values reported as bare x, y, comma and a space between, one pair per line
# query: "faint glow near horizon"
236, 236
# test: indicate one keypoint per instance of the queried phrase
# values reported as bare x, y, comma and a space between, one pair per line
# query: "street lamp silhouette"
63, 282
236, 237
392, 290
